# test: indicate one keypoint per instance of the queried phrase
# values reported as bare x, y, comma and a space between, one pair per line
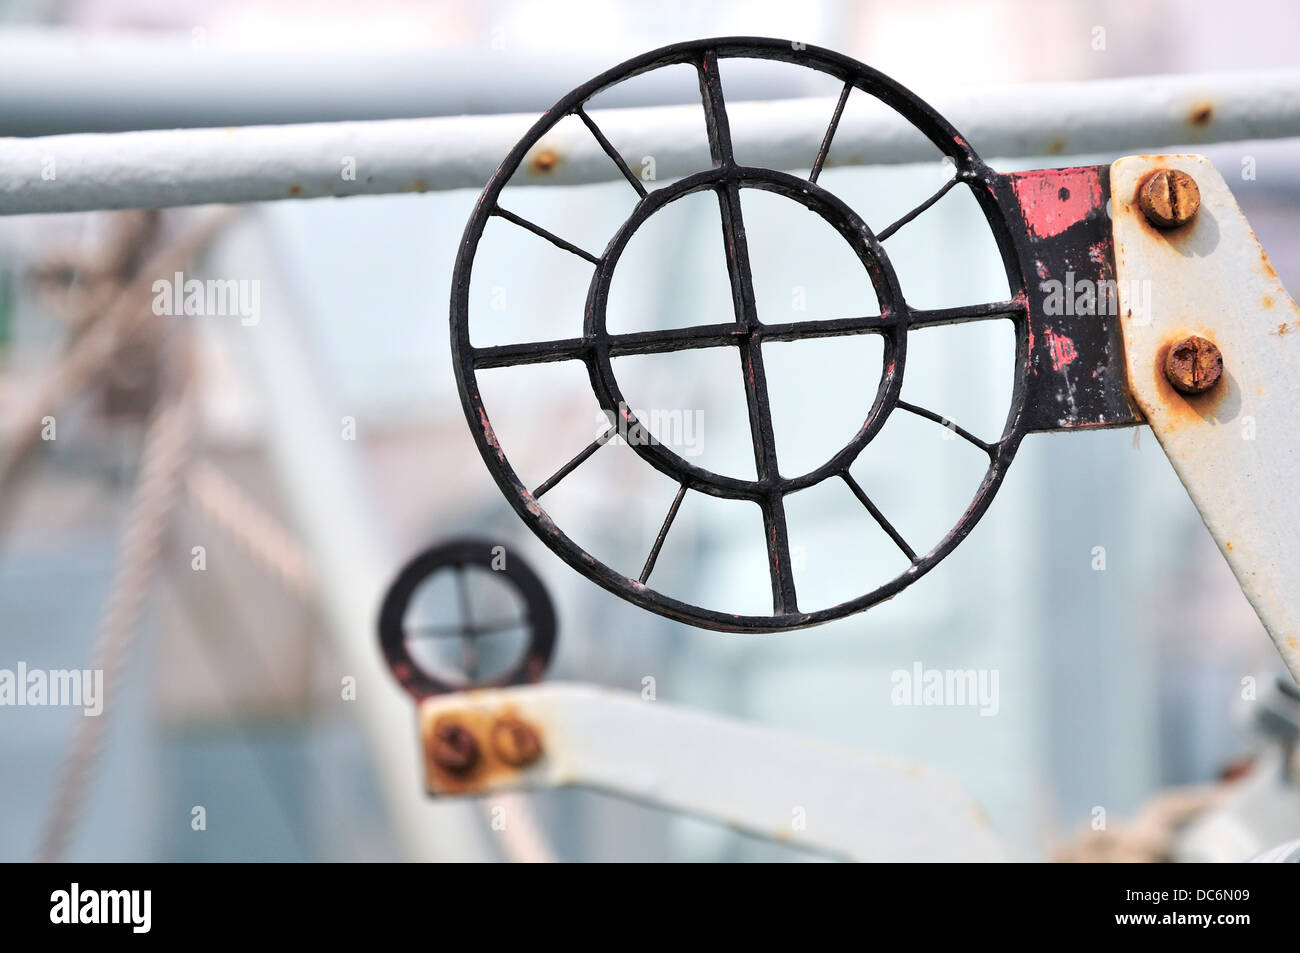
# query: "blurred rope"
256, 531
107, 317
125, 313
162, 461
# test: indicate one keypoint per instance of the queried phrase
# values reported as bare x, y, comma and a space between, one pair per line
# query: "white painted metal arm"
1236, 447
776, 785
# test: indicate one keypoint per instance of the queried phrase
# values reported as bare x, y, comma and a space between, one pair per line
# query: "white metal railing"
157, 169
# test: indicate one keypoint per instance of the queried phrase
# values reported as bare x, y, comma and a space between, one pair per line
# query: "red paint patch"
1061, 348
1051, 200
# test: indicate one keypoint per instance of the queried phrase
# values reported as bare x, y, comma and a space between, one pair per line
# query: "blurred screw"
1169, 198
1193, 365
453, 748
515, 741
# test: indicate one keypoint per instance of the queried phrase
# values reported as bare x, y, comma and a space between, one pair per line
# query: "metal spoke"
971, 312
942, 421
551, 237
778, 556
715, 111
943, 190
829, 328
618, 345
878, 516
469, 657
573, 464
611, 152
462, 596
830, 133
751, 354
663, 532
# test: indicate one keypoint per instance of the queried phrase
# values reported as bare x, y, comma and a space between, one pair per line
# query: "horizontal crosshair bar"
942, 421
921, 318
639, 342
612, 152
663, 533
484, 628
551, 237
573, 464
718, 335
878, 516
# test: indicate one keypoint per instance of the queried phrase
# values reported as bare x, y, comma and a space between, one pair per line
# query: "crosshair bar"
717, 335
751, 353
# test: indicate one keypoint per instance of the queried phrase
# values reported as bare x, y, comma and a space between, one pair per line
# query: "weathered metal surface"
1075, 375
461, 556
1169, 198
726, 178
1050, 227
1193, 365
1236, 447
470, 746
822, 797
190, 166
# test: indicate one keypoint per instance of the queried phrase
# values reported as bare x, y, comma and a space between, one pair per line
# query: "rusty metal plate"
1235, 446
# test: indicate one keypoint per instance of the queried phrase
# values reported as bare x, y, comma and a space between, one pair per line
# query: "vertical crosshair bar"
751, 355
468, 650
830, 133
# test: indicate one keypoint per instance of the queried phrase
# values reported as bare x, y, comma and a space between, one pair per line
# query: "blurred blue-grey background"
1115, 682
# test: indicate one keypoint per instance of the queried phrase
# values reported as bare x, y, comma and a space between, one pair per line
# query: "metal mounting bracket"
779, 786
1236, 447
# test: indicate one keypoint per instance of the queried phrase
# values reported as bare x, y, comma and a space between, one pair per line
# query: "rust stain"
489, 434
295, 190
544, 162
515, 741
1201, 114
1292, 643
1267, 301
419, 185
1056, 147
1183, 409
490, 768
1227, 544
1267, 265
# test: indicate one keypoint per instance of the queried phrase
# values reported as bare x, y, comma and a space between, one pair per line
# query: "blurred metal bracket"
775, 785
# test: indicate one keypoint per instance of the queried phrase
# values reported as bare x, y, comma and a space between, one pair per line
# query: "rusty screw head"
1169, 198
515, 741
1193, 365
453, 748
